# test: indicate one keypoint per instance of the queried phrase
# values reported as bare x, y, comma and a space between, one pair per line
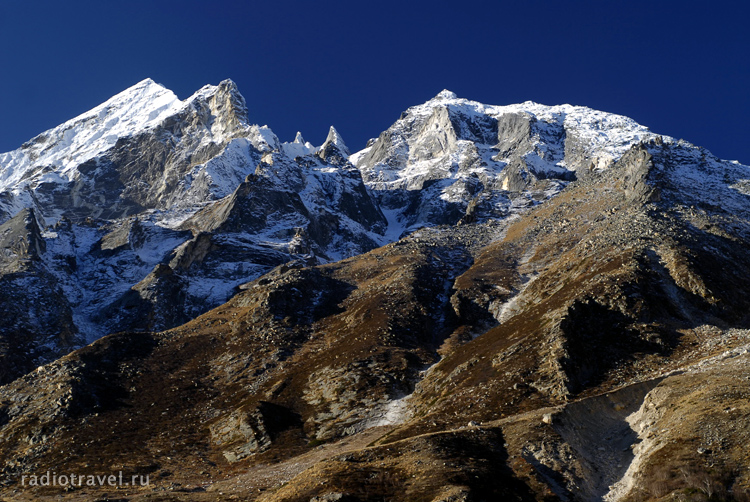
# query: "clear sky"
681, 68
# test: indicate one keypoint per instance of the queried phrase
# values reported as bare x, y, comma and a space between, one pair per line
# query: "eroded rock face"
22, 242
247, 432
154, 304
639, 176
132, 177
157, 169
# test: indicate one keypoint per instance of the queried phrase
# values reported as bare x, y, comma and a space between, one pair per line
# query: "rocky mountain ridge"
170, 205
486, 303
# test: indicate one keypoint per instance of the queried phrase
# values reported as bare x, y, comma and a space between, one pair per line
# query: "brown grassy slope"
328, 344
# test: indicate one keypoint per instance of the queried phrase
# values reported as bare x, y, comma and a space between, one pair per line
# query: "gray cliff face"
307, 208
36, 322
156, 303
160, 169
22, 242
517, 145
421, 138
638, 179
313, 193
441, 159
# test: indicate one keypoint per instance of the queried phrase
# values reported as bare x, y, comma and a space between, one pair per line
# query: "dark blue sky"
680, 68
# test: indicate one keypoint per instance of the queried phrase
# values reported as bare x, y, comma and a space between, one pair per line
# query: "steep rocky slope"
34, 327
572, 327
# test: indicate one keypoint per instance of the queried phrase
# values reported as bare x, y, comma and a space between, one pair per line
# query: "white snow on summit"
336, 140
609, 135
600, 137
266, 140
298, 148
84, 137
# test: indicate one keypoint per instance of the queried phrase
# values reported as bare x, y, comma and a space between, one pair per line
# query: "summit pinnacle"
445, 94
334, 138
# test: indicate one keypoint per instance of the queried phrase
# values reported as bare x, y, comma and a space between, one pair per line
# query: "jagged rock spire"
335, 139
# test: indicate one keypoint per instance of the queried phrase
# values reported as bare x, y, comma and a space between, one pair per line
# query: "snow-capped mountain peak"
61, 149
60, 170
445, 94
548, 141
335, 139
55, 155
